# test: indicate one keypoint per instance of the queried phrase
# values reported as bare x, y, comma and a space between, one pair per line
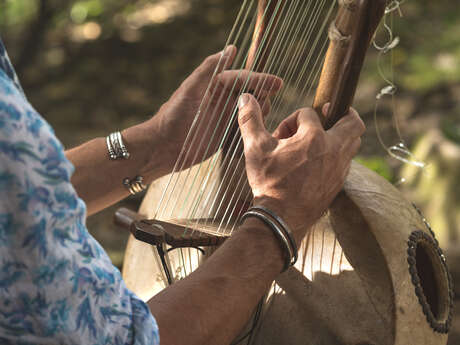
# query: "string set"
213, 194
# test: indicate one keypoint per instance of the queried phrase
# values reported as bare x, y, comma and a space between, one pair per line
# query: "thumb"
250, 118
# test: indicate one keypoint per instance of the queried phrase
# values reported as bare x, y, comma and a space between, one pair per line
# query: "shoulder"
25, 137
7, 67
17, 116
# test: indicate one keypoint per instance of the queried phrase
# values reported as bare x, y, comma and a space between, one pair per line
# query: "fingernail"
226, 52
243, 100
278, 83
326, 109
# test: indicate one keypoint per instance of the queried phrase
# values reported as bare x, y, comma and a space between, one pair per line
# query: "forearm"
98, 180
213, 304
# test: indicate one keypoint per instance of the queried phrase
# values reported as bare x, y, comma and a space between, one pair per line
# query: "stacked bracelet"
286, 230
116, 147
279, 229
135, 185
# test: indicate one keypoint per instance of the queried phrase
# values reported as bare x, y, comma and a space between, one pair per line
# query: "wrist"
298, 219
258, 236
145, 145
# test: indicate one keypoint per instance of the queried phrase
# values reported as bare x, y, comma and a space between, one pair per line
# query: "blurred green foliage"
377, 164
86, 10
451, 129
17, 12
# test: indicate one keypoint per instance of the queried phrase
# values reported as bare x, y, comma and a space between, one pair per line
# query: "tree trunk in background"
436, 188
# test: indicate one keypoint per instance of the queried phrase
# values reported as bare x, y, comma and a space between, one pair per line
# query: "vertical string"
277, 51
210, 173
333, 254
177, 170
288, 57
270, 61
229, 217
175, 175
230, 118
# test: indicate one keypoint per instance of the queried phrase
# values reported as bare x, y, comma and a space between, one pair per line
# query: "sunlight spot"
321, 252
446, 62
157, 13
86, 32
91, 31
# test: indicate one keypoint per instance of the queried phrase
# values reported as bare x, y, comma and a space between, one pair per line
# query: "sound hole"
430, 273
433, 287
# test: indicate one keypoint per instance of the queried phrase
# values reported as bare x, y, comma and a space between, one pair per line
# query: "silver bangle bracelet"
115, 146
135, 185
284, 242
124, 150
112, 154
283, 226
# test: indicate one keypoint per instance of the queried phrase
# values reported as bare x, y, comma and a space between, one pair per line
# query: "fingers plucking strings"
300, 27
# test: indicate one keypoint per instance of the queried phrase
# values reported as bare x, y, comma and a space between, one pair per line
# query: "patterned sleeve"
57, 285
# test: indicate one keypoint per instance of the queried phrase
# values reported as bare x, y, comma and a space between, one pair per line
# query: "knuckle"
356, 147
362, 126
316, 136
359, 122
244, 117
306, 111
354, 116
209, 62
257, 146
265, 143
249, 147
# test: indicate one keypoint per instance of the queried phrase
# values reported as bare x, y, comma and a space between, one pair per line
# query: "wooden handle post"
268, 15
350, 35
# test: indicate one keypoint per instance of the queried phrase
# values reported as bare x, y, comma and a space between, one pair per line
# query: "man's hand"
296, 172
156, 144
175, 117
299, 169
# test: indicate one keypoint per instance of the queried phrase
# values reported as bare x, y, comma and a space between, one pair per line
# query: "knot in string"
388, 90
391, 43
399, 151
394, 5
403, 154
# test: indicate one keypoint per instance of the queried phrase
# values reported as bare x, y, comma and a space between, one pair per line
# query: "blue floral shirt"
57, 285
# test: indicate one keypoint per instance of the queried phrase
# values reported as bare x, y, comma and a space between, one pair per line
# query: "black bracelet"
287, 231
284, 242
